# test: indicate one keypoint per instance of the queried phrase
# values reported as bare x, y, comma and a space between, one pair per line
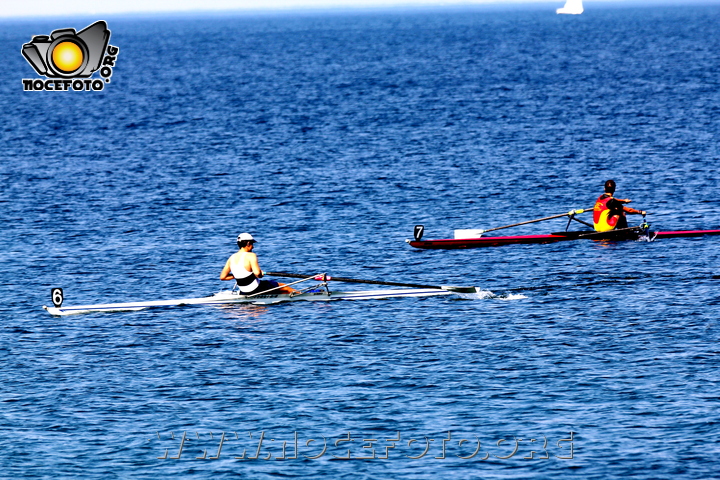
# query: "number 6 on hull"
57, 297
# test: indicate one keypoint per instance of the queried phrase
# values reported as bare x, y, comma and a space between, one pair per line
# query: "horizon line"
330, 6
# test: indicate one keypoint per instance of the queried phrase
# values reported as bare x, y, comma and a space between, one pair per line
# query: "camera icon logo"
66, 53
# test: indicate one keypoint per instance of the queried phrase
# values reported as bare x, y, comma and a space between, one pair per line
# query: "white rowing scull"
319, 292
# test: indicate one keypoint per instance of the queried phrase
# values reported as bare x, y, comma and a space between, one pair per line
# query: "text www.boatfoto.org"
262, 446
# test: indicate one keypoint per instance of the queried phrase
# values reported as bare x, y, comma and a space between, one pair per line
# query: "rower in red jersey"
609, 212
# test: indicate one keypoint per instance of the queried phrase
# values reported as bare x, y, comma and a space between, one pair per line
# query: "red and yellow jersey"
604, 219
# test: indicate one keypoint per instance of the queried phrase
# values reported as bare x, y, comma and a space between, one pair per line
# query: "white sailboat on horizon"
572, 7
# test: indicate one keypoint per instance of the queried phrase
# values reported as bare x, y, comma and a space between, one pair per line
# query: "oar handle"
352, 280
374, 282
314, 277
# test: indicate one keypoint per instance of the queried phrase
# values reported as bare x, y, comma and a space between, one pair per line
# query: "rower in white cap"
243, 267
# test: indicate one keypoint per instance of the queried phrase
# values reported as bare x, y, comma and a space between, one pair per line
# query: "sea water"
329, 136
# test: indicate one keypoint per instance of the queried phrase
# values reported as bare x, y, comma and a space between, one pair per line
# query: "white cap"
245, 236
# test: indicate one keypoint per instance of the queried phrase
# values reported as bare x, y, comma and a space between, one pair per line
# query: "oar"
304, 279
569, 214
610, 233
375, 282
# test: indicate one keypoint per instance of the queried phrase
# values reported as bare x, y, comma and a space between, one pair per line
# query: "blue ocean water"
328, 136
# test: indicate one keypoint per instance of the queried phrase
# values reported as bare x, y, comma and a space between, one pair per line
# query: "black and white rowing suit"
247, 281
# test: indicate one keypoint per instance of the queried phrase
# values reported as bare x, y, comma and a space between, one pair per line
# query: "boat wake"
650, 237
512, 296
487, 294
478, 295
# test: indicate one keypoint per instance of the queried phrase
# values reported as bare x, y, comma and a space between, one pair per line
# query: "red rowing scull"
633, 233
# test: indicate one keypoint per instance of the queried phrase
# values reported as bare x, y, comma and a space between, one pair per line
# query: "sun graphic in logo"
67, 56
